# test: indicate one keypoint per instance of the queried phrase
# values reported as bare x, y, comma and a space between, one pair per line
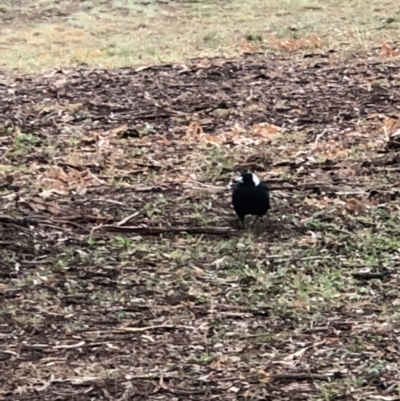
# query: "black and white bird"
249, 196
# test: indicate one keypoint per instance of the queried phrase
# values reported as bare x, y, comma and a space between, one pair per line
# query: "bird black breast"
252, 200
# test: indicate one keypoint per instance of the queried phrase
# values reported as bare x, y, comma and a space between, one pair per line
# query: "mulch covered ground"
86, 315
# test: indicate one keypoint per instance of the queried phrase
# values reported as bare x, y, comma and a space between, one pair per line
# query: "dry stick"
308, 376
371, 275
125, 330
23, 221
283, 376
165, 230
126, 219
71, 223
319, 136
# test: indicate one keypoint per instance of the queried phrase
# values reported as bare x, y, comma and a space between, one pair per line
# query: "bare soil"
94, 307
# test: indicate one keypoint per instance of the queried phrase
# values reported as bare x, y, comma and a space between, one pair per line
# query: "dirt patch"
216, 97
124, 274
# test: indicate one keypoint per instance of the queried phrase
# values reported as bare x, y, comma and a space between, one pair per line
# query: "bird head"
247, 179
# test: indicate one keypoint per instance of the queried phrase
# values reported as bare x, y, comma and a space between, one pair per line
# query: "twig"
166, 230
371, 275
22, 221
124, 330
126, 219
319, 136
71, 223
308, 376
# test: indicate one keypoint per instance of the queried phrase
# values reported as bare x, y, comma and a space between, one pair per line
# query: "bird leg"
254, 222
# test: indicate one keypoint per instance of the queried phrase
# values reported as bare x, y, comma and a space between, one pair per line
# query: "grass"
128, 33
305, 285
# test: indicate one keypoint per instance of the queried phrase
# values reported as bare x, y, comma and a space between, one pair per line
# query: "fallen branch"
166, 230
124, 330
308, 376
371, 275
19, 221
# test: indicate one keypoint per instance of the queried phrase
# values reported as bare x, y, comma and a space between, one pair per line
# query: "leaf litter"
124, 274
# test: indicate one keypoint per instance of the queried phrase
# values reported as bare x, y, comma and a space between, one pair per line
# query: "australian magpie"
249, 196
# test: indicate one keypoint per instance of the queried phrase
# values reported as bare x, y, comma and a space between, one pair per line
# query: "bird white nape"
256, 180
239, 179
249, 197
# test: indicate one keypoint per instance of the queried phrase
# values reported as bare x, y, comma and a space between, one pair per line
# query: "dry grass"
126, 33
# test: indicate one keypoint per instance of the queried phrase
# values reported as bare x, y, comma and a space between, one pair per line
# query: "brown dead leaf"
197, 272
59, 179
211, 138
298, 387
218, 362
355, 206
218, 263
290, 150
263, 376
388, 51
204, 63
291, 44
53, 208
266, 131
112, 133
104, 139
390, 126
96, 53
162, 140
320, 203
248, 47
58, 84
193, 131
80, 159
296, 355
